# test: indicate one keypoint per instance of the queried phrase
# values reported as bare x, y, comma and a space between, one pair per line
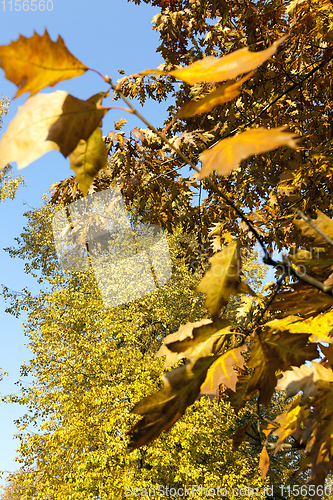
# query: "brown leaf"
239, 436
222, 371
264, 463
272, 351
37, 62
227, 154
162, 409
49, 121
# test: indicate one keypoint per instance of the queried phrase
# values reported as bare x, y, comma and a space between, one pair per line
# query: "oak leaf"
49, 121
37, 62
88, 158
227, 154
222, 371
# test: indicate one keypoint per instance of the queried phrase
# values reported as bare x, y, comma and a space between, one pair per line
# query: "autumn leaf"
227, 154
212, 69
219, 96
222, 372
289, 423
303, 299
162, 409
194, 340
263, 462
37, 62
322, 222
88, 158
222, 279
320, 326
49, 121
305, 379
240, 435
273, 350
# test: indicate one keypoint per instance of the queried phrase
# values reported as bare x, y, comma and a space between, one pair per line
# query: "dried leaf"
88, 158
207, 338
37, 62
212, 69
222, 279
239, 436
227, 154
222, 372
322, 222
162, 409
264, 463
219, 96
272, 351
49, 121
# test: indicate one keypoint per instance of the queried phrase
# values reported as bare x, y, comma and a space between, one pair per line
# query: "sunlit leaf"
194, 340
219, 96
222, 371
88, 158
37, 62
320, 326
212, 69
222, 279
49, 121
322, 222
227, 154
263, 462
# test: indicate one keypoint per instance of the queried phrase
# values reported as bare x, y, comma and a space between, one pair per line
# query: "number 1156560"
25, 5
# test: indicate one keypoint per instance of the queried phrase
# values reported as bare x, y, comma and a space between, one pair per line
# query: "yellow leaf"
222, 372
49, 121
322, 222
88, 158
219, 96
192, 342
222, 279
320, 326
213, 69
37, 62
227, 154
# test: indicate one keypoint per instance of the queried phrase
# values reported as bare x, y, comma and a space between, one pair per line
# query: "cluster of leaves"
291, 87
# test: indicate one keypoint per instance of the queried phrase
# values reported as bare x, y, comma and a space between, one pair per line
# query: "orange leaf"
227, 154
264, 462
222, 372
37, 62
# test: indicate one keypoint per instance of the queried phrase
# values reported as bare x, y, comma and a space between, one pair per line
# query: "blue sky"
106, 35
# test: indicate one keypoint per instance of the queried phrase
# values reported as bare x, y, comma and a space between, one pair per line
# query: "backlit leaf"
320, 326
322, 222
222, 372
222, 279
264, 462
192, 342
227, 154
162, 409
212, 69
37, 62
88, 158
49, 121
219, 96
272, 351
